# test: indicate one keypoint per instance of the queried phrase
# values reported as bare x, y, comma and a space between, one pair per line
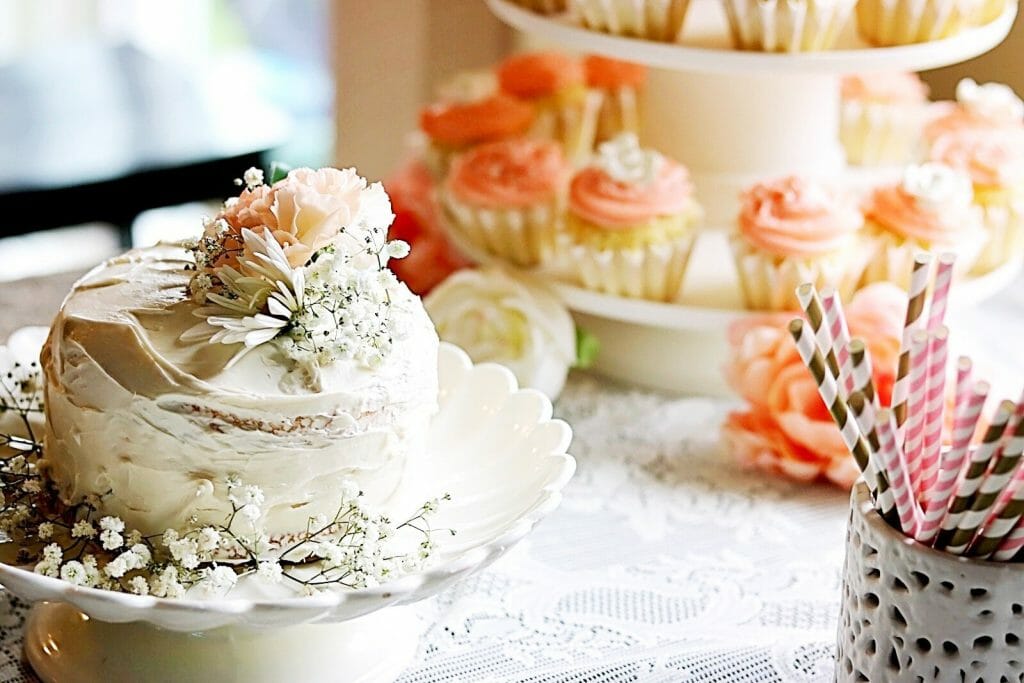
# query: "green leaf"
278, 171
587, 348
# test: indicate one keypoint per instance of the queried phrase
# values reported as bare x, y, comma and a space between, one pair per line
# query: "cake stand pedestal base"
62, 644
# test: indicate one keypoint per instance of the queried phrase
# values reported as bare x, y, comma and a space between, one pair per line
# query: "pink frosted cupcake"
881, 116
631, 222
506, 197
994, 161
793, 231
978, 107
931, 209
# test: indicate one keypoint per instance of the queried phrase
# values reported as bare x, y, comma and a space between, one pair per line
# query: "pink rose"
787, 428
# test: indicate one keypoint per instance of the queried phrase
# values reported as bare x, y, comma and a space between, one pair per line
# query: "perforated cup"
911, 613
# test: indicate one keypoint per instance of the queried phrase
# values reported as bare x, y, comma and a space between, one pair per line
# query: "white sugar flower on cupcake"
930, 209
988, 106
498, 318
631, 222
790, 231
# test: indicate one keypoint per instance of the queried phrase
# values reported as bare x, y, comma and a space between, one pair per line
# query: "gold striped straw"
863, 380
863, 412
966, 493
815, 312
915, 320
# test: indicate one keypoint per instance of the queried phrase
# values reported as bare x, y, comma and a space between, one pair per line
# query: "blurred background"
121, 120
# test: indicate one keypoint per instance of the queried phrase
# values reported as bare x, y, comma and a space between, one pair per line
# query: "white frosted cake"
278, 351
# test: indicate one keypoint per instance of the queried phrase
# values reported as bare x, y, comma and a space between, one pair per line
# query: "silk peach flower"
786, 428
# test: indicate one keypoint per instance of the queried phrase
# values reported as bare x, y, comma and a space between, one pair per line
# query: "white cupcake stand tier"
732, 117
494, 448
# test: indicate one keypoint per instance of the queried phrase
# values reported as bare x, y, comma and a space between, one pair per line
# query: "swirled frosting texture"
155, 426
932, 204
626, 185
990, 158
466, 123
539, 74
990, 106
513, 173
794, 217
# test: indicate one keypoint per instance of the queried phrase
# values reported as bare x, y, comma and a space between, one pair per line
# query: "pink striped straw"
896, 469
914, 320
935, 400
913, 436
952, 462
940, 294
963, 380
836, 321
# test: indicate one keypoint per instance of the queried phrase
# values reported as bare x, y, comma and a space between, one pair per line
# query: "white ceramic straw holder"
912, 613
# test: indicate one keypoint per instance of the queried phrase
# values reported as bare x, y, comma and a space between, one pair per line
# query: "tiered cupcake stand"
732, 117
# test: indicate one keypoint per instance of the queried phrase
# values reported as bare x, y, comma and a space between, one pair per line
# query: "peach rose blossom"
418, 221
786, 428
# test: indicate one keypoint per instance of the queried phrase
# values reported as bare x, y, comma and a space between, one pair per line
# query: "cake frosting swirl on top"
158, 391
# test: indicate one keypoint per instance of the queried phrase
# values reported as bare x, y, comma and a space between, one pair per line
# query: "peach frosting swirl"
601, 199
510, 173
884, 87
794, 217
932, 204
539, 74
990, 158
466, 123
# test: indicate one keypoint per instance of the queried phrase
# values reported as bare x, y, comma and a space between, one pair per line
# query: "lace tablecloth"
666, 562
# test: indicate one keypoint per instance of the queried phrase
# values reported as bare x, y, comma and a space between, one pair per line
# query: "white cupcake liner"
619, 113
653, 272
1004, 237
543, 6
525, 237
787, 25
901, 22
892, 257
651, 19
573, 125
877, 134
769, 283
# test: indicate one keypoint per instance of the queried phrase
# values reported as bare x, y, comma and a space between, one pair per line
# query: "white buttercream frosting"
625, 161
938, 185
995, 102
155, 426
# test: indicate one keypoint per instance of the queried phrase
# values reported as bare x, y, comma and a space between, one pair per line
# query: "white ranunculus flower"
495, 317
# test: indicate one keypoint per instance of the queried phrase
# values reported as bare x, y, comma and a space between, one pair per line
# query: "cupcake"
631, 222
989, 11
985, 107
791, 231
619, 84
453, 127
470, 85
881, 115
651, 19
554, 83
542, 6
506, 198
994, 161
931, 209
787, 25
902, 22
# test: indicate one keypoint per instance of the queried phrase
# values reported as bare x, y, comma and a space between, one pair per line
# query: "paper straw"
966, 493
912, 322
827, 388
935, 403
815, 312
836, 321
864, 413
992, 486
1011, 545
952, 463
963, 380
896, 471
940, 293
913, 435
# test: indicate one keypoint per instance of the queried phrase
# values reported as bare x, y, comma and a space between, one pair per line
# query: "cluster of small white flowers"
21, 388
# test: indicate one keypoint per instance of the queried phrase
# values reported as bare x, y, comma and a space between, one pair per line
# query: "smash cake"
278, 349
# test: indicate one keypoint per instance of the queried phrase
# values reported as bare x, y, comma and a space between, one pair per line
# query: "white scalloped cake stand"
498, 452
732, 117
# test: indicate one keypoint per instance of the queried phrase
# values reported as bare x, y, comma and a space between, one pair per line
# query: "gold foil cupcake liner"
902, 22
769, 282
1004, 237
787, 25
892, 257
524, 237
660, 20
653, 272
877, 134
